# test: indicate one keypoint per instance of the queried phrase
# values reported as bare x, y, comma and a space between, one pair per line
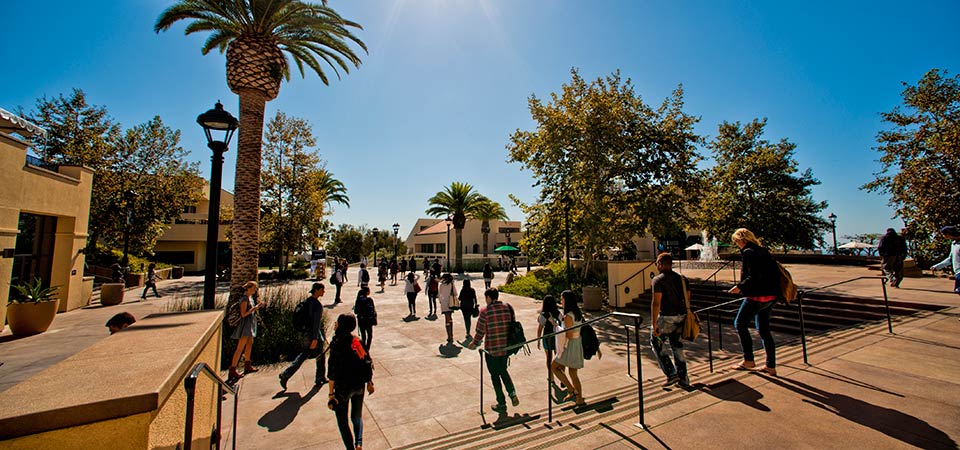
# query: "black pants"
366, 335
352, 400
497, 366
412, 303
337, 298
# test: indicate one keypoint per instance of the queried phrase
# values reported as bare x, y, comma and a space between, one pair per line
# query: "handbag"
454, 299
417, 288
691, 323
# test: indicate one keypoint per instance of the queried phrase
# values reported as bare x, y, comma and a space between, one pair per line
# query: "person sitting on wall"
120, 321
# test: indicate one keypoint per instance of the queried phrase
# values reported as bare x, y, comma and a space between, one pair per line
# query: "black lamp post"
396, 241
130, 197
375, 231
833, 224
215, 119
566, 233
449, 220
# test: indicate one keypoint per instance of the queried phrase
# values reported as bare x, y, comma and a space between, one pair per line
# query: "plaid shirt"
494, 323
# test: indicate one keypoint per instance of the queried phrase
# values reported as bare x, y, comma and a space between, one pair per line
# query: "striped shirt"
494, 323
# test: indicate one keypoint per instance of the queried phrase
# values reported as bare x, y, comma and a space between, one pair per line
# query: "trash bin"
177, 272
111, 294
592, 298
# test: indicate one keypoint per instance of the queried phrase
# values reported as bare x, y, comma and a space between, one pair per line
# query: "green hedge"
550, 280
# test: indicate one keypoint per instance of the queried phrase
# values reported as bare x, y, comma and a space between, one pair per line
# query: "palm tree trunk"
486, 236
459, 240
246, 222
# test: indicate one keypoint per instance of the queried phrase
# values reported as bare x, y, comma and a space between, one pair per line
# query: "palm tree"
486, 211
458, 202
256, 34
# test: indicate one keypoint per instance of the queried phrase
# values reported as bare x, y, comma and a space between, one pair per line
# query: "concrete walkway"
864, 388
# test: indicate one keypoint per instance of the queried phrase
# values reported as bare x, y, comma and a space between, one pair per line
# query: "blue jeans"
749, 310
956, 283
670, 328
497, 366
354, 400
304, 355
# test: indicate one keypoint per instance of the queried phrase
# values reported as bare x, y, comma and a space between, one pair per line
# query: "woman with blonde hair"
245, 331
760, 286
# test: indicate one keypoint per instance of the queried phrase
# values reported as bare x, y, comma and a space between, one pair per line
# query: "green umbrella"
506, 248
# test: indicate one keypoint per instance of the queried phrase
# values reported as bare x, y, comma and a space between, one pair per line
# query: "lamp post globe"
214, 121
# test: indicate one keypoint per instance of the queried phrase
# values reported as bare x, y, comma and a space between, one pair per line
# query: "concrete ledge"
128, 373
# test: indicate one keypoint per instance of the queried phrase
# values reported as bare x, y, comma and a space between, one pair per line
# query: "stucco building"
44, 211
429, 237
184, 242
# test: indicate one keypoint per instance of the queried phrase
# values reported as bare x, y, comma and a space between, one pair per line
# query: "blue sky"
447, 81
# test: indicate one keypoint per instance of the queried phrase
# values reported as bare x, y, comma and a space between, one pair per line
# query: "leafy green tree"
920, 158
257, 35
756, 185
458, 201
298, 190
345, 242
612, 165
146, 159
485, 211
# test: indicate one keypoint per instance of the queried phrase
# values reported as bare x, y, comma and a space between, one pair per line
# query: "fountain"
709, 252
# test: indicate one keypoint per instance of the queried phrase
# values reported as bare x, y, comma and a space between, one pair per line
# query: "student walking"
394, 268
669, 310
953, 259
312, 340
547, 322
151, 282
403, 267
570, 348
760, 285
412, 265
382, 274
447, 292
338, 280
487, 275
494, 324
245, 332
366, 313
349, 371
363, 278
892, 249
433, 290
412, 288
468, 306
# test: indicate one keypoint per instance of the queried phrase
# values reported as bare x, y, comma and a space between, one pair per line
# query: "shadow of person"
893, 423
733, 390
283, 414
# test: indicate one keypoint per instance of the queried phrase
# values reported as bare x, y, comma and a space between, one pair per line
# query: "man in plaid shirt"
494, 322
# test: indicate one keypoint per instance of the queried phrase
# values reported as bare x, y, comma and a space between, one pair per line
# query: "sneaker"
515, 400
500, 408
670, 381
283, 382
684, 382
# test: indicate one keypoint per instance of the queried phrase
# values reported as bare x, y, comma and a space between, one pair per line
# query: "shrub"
276, 340
550, 280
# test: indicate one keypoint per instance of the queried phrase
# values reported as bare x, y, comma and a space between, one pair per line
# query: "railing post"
550, 387
236, 403
636, 324
886, 304
190, 385
710, 339
626, 332
481, 381
803, 328
219, 434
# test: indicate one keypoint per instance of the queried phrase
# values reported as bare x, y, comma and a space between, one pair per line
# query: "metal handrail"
190, 385
637, 320
616, 287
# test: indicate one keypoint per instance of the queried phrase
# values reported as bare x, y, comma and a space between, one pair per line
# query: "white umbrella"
695, 247
855, 244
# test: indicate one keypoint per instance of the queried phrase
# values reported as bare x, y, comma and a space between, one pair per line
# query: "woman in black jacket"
760, 286
349, 371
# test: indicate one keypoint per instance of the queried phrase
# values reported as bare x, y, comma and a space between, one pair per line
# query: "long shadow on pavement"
890, 422
733, 390
278, 418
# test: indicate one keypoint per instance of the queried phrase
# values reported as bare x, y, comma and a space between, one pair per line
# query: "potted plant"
33, 310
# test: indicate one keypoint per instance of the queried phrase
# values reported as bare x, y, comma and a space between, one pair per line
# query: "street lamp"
215, 119
396, 242
833, 223
566, 234
375, 231
130, 197
449, 220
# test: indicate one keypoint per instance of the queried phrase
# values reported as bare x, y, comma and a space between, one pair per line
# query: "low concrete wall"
633, 284
126, 391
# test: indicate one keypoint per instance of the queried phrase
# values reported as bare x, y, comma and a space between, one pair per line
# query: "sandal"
743, 367
769, 371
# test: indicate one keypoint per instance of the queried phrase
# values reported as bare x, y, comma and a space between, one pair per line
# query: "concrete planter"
111, 294
31, 318
592, 298
177, 272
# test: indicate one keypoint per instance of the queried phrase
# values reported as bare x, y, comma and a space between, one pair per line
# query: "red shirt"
494, 323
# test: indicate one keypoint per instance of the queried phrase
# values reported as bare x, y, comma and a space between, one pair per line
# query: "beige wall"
193, 236
64, 194
619, 272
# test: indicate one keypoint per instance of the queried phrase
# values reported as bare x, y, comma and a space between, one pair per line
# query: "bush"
550, 280
276, 340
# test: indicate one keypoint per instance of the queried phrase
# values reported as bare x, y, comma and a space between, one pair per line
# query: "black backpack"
365, 276
333, 278
515, 335
590, 342
301, 317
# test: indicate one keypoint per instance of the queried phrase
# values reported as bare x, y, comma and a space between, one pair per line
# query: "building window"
441, 248
190, 209
176, 257
426, 248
